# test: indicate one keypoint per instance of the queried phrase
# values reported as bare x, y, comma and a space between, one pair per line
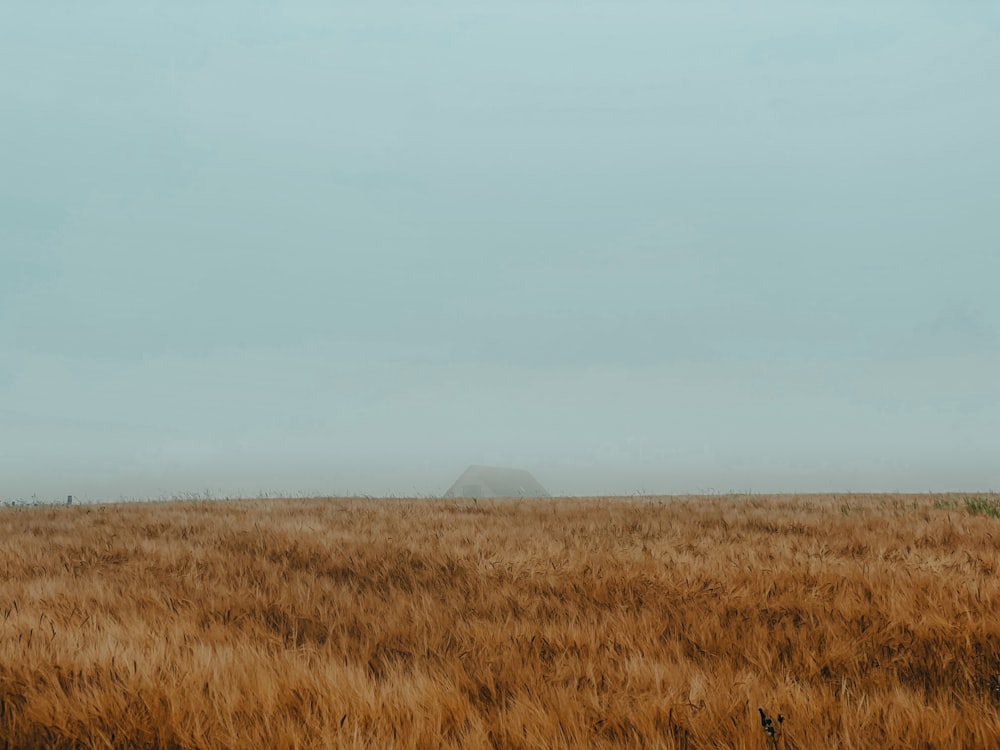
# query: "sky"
317, 248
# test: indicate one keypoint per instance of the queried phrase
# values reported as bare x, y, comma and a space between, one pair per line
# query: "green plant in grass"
983, 506
945, 504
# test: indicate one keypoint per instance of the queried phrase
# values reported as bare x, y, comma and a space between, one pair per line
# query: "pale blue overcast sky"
631, 246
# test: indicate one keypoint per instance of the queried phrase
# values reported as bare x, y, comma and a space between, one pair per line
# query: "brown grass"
869, 622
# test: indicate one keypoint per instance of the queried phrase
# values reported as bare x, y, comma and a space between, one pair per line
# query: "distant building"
494, 481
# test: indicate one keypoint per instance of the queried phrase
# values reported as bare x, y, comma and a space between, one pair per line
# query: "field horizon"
864, 620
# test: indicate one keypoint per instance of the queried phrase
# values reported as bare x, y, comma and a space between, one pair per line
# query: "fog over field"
651, 247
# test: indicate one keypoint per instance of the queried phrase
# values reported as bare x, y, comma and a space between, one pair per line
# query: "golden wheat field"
865, 621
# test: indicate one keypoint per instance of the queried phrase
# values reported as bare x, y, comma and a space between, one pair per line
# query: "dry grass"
869, 622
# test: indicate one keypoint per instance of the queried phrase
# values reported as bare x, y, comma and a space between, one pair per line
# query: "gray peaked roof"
494, 481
